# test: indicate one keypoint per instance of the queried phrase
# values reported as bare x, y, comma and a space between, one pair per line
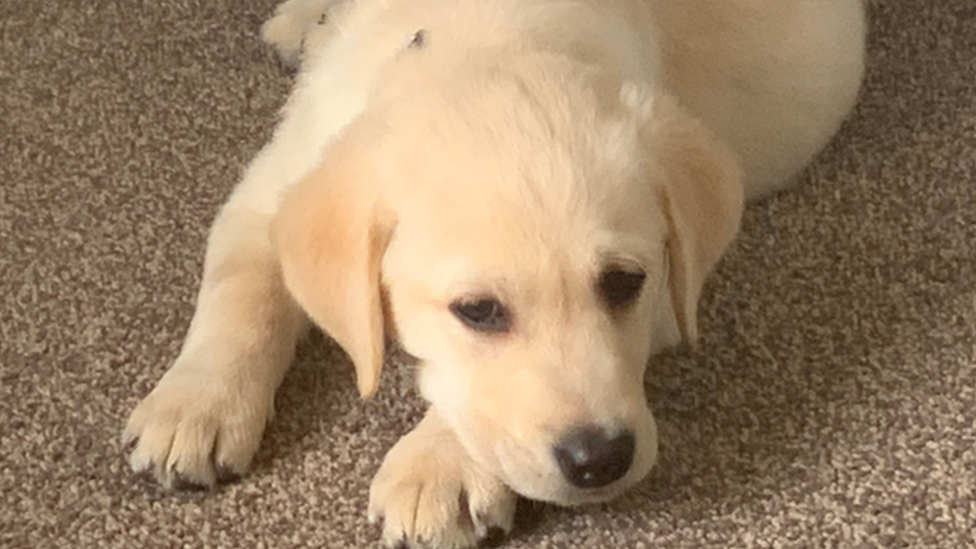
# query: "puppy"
528, 195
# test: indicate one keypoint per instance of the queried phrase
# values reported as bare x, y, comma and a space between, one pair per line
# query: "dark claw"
146, 475
464, 511
494, 538
129, 446
226, 475
184, 484
402, 544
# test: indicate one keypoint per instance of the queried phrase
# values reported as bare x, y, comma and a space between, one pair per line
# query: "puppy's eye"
619, 288
483, 315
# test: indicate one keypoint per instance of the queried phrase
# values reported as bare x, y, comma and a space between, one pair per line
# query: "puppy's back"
774, 78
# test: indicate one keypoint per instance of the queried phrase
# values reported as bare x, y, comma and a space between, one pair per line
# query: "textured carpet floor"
830, 405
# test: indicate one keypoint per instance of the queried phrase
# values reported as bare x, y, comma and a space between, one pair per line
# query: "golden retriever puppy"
528, 195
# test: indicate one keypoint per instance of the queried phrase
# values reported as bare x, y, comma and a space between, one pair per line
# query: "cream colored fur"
437, 150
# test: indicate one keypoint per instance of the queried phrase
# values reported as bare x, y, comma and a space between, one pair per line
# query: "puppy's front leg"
204, 420
430, 493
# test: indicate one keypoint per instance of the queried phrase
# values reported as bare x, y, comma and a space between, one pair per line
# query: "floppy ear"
331, 231
702, 196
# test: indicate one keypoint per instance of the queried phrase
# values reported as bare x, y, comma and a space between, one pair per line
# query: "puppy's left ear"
331, 232
701, 193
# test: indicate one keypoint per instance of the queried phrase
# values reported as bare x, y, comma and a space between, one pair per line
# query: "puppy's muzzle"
589, 457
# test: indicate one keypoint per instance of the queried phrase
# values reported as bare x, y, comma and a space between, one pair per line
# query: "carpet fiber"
831, 403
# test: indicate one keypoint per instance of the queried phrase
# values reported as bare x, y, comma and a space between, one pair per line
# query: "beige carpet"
831, 404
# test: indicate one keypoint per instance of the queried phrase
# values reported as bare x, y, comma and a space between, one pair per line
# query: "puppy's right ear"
331, 231
701, 192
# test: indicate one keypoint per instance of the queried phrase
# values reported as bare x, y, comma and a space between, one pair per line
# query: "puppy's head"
531, 243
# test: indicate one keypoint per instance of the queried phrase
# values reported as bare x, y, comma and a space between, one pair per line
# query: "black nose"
589, 458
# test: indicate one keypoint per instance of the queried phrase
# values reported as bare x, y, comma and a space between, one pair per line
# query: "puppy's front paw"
294, 23
286, 33
430, 493
198, 428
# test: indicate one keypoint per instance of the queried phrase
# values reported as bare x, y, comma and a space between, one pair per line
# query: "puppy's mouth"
570, 496
576, 497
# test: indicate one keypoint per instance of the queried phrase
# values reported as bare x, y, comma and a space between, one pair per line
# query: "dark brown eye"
618, 287
483, 315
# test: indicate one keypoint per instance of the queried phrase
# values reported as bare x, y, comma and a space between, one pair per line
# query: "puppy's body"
772, 78
530, 193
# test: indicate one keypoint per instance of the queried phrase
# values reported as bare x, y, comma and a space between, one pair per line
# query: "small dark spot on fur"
419, 39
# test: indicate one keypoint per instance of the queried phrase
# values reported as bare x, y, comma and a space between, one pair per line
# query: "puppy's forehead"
482, 238
500, 152
498, 177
